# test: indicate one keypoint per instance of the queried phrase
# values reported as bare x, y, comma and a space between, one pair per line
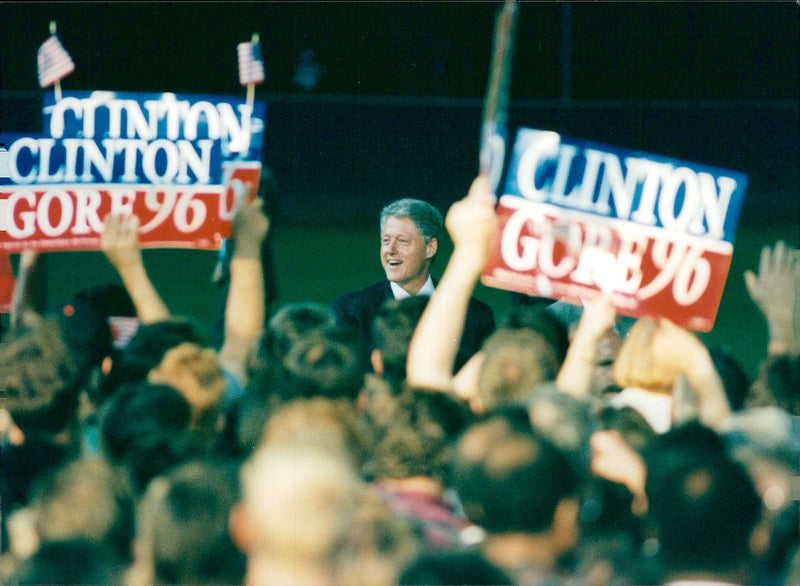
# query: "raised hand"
776, 292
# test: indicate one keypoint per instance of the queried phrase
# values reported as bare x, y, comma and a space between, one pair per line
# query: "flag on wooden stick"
251, 62
53, 61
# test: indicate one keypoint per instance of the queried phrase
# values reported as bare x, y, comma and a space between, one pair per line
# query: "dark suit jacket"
357, 308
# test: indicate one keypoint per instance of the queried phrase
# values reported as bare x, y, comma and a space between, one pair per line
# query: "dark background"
396, 112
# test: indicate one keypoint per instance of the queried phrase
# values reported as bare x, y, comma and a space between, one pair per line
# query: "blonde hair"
638, 364
195, 372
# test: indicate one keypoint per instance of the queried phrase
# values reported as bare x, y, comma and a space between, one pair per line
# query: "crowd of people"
402, 434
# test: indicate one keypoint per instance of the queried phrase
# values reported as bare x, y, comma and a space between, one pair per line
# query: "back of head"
516, 361
453, 568
73, 561
196, 372
299, 501
324, 363
426, 217
321, 423
392, 328
182, 526
146, 428
38, 379
85, 499
146, 349
494, 461
413, 433
290, 323
777, 383
637, 363
703, 505
542, 321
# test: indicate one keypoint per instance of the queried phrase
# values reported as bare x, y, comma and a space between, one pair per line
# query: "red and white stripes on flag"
53, 61
251, 63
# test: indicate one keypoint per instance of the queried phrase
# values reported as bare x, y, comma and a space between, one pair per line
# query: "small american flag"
54, 62
251, 63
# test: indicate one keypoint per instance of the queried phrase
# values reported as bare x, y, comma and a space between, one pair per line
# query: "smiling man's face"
404, 255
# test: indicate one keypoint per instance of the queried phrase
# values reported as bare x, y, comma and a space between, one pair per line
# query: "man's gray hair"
426, 217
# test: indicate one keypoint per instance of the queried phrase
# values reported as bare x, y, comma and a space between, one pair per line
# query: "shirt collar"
400, 293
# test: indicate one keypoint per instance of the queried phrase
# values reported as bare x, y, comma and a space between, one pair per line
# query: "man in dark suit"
410, 232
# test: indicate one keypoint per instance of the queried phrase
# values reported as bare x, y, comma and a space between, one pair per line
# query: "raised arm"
575, 375
120, 243
776, 292
244, 309
25, 300
471, 223
684, 351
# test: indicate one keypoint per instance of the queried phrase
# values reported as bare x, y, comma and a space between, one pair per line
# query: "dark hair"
184, 518
544, 322
514, 481
392, 328
146, 349
290, 323
447, 568
702, 503
414, 433
145, 428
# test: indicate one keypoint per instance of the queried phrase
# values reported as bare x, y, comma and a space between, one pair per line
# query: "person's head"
326, 363
777, 383
414, 432
392, 328
182, 532
146, 428
296, 508
38, 379
702, 505
516, 361
84, 499
545, 322
145, 350
196, 372
56, 562
322, 423
290, 323
494, 460
638, 364
410, 232
452, 568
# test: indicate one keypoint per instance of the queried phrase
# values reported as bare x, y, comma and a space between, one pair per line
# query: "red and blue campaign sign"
178, 162
578, 218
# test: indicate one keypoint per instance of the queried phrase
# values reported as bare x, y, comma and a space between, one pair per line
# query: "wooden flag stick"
495, 104
251, 87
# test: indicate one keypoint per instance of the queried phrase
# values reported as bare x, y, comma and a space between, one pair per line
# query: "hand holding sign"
472, 222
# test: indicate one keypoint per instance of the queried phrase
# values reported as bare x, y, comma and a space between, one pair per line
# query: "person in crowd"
269, 193
453, 567
296, 507
410, 234
83, 499
244, 318
392, 328
528, 531
432, 353
410, 457
690, 473
182, 534
146, 429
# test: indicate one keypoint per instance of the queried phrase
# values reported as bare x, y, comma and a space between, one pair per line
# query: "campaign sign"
178, 162
578, 218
